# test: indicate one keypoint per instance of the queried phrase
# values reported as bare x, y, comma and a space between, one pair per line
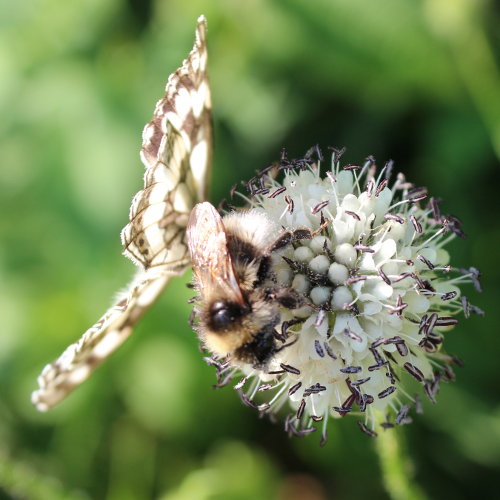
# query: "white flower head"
378, 296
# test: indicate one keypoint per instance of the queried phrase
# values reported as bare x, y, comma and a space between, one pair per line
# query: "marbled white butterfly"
176, 151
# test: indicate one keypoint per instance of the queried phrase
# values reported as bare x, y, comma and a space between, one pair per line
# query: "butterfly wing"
80, 359
176, 152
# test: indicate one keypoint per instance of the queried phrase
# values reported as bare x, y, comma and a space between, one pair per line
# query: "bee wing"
176, 151
212, 265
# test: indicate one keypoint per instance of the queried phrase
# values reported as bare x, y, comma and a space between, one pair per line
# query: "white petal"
317, 244
386, 250
337, 273
367, 263
344, 182
443, 257
382, 290
342, 230
320, 264
320, 294
341, 296
303, 254
350, 202
371, 308
383, 203
348, 321
417, 303
300, 283
346, 254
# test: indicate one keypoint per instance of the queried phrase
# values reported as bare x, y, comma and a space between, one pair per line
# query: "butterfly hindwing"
80, 359
176, 151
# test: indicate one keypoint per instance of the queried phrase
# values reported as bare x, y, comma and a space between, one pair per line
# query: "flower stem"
396, 465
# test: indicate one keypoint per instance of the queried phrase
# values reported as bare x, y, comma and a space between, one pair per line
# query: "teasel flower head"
379, 296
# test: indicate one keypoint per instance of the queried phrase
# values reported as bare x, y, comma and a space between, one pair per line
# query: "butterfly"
176, 151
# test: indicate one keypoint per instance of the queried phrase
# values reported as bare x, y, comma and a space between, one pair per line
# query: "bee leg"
192, 320
288, 237
285, 297
289, 299
286, 345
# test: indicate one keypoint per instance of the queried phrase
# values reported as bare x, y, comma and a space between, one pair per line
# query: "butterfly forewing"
176, 152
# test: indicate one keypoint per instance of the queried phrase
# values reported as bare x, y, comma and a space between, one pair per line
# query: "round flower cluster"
378, 292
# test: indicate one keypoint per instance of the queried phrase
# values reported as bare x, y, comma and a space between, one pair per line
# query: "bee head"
224, 314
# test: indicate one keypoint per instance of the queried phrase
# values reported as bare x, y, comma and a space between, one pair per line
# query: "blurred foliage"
416, 81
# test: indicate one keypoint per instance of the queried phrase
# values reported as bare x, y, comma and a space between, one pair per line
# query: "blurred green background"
415, 81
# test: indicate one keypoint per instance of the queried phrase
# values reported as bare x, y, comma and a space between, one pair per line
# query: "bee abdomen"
259, 350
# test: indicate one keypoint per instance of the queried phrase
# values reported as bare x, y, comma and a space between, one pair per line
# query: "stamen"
319, 349
294, 388
416, 225
394, 217
301, 409
387, 392
449, 296
328, 350
241, 383
314, 389
290, 369
426, 261
381, 187
352, 335
402, 417
353, 214
415, 372
366, 430
351, 369
383, 276
277, 192
319, 207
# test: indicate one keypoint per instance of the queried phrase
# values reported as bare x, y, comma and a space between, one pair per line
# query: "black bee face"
224, 315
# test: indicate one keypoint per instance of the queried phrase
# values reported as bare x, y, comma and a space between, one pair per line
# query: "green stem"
396, 465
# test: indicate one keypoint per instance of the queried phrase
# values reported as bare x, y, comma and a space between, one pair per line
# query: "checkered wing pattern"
176, 151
